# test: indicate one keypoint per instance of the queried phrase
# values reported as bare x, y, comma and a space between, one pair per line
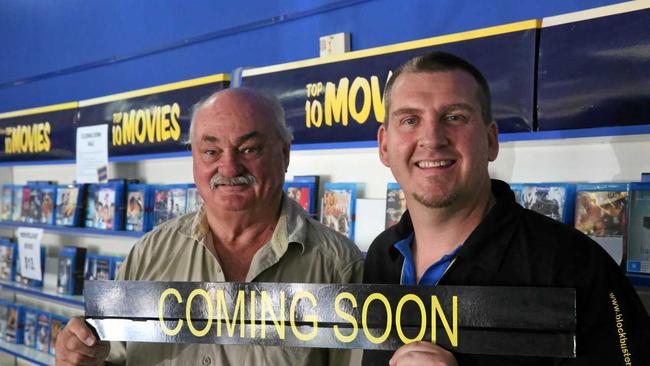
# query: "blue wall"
61, 51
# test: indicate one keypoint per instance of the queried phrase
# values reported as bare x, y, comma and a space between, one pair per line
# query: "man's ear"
383, 145
286, 152
493, 141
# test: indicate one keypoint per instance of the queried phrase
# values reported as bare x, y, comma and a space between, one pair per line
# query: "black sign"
339, 99
476, 320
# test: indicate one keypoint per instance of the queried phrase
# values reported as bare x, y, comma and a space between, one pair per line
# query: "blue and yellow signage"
339, 99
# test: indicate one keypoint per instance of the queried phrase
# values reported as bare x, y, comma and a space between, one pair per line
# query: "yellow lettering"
279, 325
398, 318
222, 309
363, 85
164, 119
188, 314
345, 316
313, 318
364, 318
316, 113
129, 122
437, 308
175, 128
47, 144
253, 325
336, 103
161, 305
140, 123
377, 100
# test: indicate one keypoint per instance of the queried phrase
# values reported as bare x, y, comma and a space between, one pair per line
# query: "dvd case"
57, 323
15, 323
338, 207
554, 200
645, 177
31, 325
139, 207
69, 204
8, 253
302, 193
638, 229
194, 200
4, 317
43, 332
315, 181
395, 204
116, 264
170, 201
6, 202
17, 202
99, 267
105, 206
601, 213
71, 270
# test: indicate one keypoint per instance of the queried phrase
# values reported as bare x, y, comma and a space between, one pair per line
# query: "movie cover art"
639, 229
47, 206
601, 213
194, 200
14, 329
31, 324
169, 204
301, 195
135, 210
6, 202
32, 202
57, 324
66, 205
100, 212
102, 268
65, 274
17, 201
117, 264
43, 332
7, 260
4, 316
395, 204
337, 207
548, 201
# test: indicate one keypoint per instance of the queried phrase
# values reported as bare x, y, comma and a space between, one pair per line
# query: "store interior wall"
65, 51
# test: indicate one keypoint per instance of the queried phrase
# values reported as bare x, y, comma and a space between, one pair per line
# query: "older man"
246, 231
462, 228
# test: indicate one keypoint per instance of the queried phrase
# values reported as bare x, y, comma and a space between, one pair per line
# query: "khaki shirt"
301, 250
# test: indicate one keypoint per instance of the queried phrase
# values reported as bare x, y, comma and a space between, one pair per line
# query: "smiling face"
435, 141
236, 145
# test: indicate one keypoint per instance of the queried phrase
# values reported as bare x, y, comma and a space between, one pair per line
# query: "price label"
29, 244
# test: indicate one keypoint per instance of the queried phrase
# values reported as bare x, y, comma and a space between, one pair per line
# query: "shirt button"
206, 361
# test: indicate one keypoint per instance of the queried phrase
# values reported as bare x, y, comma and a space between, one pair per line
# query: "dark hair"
441, 62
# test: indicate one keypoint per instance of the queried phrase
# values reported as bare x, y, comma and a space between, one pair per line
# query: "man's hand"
77, 345
422, 353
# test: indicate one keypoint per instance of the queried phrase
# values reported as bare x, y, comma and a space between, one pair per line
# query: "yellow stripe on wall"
421, 43
37, 110
156, 89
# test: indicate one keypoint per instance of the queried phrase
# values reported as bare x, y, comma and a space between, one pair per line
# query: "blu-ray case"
69, 204
395, 204
194, 199
517, 189
105, 206
43, 332
4, 317
139, 207
8, 254
57, 323
170, 201
302, 193
315, 180
116, 264
6, 202
601, 213
554, 200
39, 203
17, 203
338, 207
31, 326
15, 323
99, 267
72, 261
638, 228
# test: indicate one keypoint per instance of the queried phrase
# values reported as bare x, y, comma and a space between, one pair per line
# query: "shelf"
76, 301
66, 230
26, 353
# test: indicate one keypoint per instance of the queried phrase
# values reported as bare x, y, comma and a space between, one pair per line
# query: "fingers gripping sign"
422, 353
77, 344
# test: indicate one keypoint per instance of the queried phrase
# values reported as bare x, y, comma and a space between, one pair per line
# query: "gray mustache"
220, 180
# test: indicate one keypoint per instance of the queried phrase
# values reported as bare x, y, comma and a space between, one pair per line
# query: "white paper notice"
29, 249
92, 154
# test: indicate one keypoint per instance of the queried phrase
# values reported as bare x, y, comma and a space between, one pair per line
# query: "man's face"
234, 136
436, 142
